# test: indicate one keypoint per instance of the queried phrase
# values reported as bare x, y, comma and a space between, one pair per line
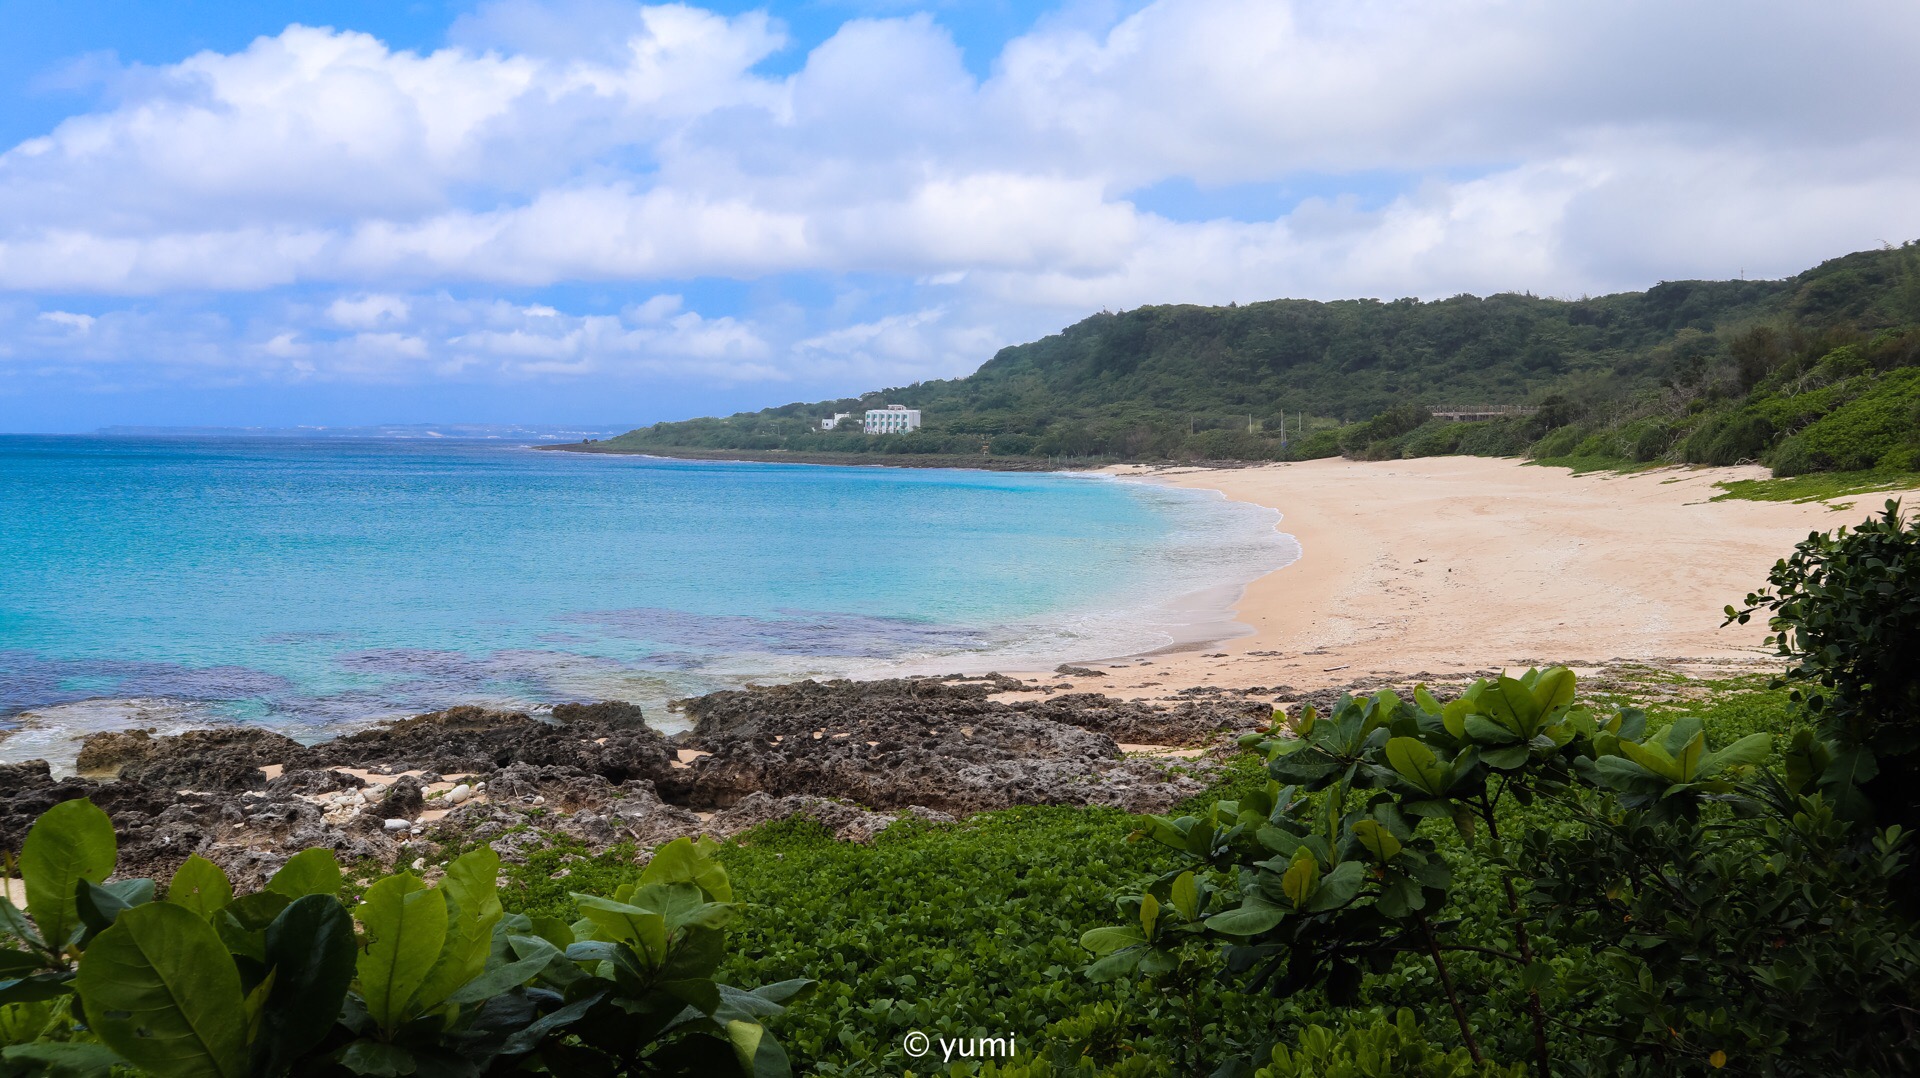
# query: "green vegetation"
1816, 373
1515, 878
1845, 607
99, 977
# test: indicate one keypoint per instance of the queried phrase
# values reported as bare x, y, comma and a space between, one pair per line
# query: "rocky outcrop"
854, 756
222, 758
1189, 724
943, 745
609, 740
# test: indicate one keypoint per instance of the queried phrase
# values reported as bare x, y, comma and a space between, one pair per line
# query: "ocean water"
318, 585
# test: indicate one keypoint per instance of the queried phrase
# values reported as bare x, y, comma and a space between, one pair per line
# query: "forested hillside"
1811, 373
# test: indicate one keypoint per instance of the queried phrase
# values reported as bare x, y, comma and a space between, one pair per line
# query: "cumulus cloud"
1565, 148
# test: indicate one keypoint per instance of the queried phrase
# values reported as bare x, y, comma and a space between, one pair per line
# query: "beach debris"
1331, 669
398, 825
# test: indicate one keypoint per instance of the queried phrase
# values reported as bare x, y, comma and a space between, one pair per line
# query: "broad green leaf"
1849, 769
1553, 688
1676, 737
1507, 756
684, 905
554, 930
1454, 717
1401, 898
1653, 758
199, 885
1338, 887
463, 955
309, 872
503, 978
1246, 921
62, 1059
1376, 839
1426, 700
376, 1060
160, 989
1746, 752
644, 929
473, 908
473, 880
1510, 704
1621, 774
311, 952
242, 923
760, 1054
1486, 731
681, 861
70, 842
406, 927
1301, 877
1807, 758
1278, 840
530, 1037
98, 905
1105, 941
14, 923
36, 987
1417, 764
15, 964
1690, 755
1185, 894
1149, 914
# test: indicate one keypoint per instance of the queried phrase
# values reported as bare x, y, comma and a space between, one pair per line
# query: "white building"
829, 424
893, 419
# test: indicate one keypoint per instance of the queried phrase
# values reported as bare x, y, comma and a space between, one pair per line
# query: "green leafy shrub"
1845, 607
1638, 897
1382, 1048
414, 979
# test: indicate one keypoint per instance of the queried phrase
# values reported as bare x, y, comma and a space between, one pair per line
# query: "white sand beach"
1447, 565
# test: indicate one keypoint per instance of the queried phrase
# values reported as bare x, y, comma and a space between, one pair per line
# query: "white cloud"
366, 312
79, 323
1451, 145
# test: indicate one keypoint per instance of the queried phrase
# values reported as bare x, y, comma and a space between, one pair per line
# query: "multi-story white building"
893, 419
829, 424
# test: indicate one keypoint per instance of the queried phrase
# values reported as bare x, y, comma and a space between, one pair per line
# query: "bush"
1588, 890
1382, 1048
414, 979
1845, 607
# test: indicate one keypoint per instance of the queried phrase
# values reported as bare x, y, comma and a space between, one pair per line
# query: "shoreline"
1443, 567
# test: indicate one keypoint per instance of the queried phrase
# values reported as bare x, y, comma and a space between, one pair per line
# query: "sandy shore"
1442, 566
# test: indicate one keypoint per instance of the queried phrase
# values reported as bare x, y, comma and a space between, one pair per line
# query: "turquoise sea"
314, 584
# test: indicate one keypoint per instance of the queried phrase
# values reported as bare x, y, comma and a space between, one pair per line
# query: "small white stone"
537, 799
479, 787
398, 825
459, 793
419, 863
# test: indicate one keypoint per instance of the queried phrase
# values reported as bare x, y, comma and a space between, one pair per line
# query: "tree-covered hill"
1687, 370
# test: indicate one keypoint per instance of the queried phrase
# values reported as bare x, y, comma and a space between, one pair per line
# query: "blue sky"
596, 211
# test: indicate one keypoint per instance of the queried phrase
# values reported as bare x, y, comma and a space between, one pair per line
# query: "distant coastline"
977, 461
